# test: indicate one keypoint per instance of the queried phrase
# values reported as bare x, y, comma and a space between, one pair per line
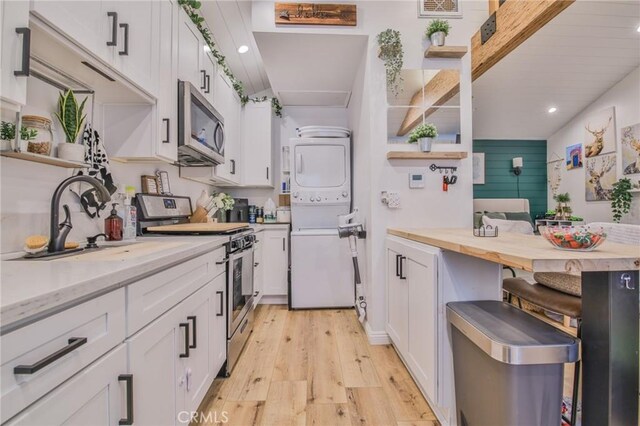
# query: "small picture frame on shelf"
149, 184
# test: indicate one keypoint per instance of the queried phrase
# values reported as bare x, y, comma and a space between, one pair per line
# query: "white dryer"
321, 265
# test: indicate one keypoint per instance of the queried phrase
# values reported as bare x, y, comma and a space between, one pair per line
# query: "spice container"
36, 134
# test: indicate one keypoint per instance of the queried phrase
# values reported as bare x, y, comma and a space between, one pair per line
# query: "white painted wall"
428, 207
625, 97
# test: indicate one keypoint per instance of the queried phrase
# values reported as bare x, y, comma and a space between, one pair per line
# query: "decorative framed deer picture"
600, 175
600, 133
631, 149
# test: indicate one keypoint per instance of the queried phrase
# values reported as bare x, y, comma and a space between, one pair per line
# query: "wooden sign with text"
316, 14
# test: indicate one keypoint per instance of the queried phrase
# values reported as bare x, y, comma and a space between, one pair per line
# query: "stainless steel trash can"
508, 365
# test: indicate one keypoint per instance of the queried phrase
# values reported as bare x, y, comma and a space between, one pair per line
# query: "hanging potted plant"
424, 134
437, 30
621, 199
391, 53
70, 115
563, 211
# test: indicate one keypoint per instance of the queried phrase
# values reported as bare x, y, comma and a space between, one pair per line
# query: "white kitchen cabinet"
412, 313
227, 103
15, 47
195, 64
209, 67
257, 168
91, 25
219, 323
258, 270
275, 258
95, 396
397, 300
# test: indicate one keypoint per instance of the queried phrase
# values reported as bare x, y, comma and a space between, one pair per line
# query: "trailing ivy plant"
621, 199
391, 53
192, 7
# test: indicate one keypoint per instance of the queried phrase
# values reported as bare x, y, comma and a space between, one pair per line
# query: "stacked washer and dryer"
321, 265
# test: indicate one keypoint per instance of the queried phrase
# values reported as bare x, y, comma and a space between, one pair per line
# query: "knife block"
199, 216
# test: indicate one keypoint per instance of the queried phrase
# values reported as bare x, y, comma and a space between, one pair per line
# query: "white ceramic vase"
71, 152
437, 39
425, 144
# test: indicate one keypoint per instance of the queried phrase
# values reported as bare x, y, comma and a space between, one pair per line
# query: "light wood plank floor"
316, 368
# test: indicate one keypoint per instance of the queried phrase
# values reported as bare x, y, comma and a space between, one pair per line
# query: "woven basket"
565, 283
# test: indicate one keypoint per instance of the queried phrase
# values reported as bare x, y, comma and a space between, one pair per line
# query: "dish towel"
95, 155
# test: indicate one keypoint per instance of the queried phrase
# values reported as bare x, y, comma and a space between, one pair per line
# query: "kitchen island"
609, 296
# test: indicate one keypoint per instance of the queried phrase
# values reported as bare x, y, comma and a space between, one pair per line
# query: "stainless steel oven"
200, 129
240, 294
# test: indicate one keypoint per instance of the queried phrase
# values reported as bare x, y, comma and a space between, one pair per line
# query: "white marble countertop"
30, 290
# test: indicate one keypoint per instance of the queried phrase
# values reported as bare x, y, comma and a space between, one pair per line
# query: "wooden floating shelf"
44, 159
446, 52
419, 155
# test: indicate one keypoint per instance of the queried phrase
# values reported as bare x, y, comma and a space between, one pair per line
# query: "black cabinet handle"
166, 121
402, 276
267, 173
207, 83
223, 261
204, 79
128, 379
74, 343
221, 294
185, 325
114, 28
233, 167
125, 51
284, 243
26, 52
193, 320
398, 265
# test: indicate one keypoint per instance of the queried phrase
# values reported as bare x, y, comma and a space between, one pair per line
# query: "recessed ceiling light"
243, 49
552, 110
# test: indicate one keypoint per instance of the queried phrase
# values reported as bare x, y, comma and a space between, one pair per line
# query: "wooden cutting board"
198, 227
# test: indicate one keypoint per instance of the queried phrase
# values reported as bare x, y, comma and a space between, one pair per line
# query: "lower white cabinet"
96, 396
412, 314
219, 323
258, 268
275, 258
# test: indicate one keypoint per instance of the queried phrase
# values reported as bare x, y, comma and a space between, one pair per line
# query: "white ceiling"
311, 69
230, 24
568, 64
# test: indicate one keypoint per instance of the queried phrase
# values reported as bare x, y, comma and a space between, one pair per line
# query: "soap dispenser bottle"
113, 225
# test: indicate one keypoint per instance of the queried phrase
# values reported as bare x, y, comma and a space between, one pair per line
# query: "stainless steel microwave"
200, 129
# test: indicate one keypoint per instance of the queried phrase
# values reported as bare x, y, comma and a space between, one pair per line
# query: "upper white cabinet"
227, 103
15, 51
412, 314
257, 167
275, 259
190, 52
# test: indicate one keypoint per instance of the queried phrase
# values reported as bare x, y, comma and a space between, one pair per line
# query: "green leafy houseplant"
8, 132
621, 199
392, 54
562, 198
70, 114
436, 26
191, 7
563, 211
426, 130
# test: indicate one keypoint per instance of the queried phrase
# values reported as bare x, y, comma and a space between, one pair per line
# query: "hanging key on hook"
445, 183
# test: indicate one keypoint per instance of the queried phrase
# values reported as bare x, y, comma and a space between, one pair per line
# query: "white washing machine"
321, 265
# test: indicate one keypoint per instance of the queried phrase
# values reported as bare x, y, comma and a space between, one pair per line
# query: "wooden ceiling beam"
516, 21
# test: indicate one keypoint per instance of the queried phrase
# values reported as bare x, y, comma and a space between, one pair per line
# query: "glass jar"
37, 134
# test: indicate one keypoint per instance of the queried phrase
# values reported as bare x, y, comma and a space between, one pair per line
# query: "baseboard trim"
376, 337
273, 300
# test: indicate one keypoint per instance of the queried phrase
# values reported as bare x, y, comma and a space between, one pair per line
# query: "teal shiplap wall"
500, 182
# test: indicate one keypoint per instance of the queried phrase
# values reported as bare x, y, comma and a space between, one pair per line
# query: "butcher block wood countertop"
529, 252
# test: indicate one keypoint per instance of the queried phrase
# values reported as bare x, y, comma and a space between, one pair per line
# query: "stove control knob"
345, 194
318, 199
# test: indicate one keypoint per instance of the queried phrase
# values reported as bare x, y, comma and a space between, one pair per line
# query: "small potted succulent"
437, 30
8, 135
563, 211
424, 134
71, 117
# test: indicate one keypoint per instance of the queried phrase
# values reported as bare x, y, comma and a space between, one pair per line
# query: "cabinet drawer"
150, 297
100, 321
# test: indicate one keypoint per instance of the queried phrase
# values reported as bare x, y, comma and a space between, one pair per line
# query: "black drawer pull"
185, 325
114, 29
398, 265
74, 343
166, 121
221, 294
207, 83
193, 319
128, 379
402, 276
233, 167
204, 79
223, 261
125, 51
26, 52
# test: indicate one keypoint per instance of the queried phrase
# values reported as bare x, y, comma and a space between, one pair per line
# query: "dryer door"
320, 166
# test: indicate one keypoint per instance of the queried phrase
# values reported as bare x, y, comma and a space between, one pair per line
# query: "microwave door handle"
298, 163
219, 142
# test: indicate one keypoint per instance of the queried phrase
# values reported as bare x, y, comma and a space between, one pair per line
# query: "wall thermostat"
416, 180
